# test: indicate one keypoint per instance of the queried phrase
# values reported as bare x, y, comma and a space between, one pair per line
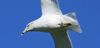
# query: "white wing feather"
76, 26
61, 39
50, 7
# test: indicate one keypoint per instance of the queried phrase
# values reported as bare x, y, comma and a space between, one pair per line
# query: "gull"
54, 22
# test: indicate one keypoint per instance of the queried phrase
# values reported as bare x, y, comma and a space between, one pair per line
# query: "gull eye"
27, 26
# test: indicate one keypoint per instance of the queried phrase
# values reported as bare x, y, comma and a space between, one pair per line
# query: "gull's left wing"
50, 7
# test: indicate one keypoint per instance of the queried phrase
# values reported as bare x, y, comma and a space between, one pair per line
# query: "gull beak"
23, 32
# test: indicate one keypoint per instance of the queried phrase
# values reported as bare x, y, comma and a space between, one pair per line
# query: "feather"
50, 7
61, 39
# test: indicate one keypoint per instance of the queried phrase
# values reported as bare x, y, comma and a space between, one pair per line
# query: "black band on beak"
22, 34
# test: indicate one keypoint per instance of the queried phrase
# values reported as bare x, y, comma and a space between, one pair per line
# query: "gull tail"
76, 27
61, 39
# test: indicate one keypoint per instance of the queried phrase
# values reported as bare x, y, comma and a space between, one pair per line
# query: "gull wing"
50, 7
61, 39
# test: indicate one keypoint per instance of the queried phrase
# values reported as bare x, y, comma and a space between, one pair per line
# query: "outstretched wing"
61, 39
50, 7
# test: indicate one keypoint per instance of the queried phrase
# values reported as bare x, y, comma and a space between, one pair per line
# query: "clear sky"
16, 14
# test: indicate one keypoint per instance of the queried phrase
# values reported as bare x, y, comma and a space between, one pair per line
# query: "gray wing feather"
61, 39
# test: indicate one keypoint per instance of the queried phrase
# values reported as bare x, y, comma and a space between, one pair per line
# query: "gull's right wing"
50, 7
61, 39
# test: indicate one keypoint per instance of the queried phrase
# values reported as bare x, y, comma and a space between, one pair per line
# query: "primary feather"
50, 7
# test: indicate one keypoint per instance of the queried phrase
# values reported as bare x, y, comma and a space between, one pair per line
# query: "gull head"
28, 28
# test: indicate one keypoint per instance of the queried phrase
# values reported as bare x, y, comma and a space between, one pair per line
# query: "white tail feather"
75, 27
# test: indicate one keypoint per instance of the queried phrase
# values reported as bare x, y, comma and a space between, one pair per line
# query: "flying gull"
53, 21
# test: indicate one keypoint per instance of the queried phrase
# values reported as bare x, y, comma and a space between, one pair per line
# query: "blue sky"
15, 14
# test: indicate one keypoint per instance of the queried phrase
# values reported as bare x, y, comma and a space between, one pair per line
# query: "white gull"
54, 22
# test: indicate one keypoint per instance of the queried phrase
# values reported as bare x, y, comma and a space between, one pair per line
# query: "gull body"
54, 22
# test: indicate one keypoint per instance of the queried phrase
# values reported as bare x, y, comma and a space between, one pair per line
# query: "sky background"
16, 14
